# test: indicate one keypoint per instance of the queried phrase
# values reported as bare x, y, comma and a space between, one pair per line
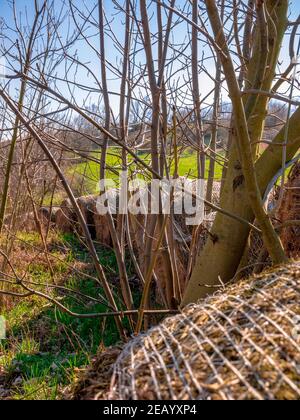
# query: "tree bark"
220, 260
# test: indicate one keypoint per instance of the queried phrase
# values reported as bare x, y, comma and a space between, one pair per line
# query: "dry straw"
242, 344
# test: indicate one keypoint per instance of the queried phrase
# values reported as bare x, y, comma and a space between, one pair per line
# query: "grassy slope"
90, 170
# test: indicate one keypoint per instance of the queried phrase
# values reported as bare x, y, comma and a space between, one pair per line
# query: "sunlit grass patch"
89, 171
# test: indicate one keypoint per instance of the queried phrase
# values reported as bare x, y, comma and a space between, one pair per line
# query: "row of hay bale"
65, 218
242, 344
65, 221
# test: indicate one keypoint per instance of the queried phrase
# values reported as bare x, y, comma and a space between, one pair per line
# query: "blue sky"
25, 8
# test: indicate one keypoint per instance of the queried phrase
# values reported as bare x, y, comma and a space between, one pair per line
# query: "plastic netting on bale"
239, 344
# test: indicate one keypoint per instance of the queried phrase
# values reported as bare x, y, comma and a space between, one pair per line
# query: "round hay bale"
97, 223
216, 192
290, 211
101, 225
182, 234
87, 206
47, 215
242, 344
103, 235
44, 214
140, 225
96, 379
65, 217
27, 221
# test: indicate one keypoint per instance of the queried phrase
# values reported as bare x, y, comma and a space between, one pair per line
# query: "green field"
90, 170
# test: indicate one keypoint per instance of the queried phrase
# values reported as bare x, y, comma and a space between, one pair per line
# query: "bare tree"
163, 81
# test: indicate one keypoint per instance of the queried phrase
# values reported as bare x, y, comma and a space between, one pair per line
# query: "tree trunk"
222, 254
220, 259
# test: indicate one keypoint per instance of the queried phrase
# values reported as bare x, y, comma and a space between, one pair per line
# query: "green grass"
45, 346
90, 170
